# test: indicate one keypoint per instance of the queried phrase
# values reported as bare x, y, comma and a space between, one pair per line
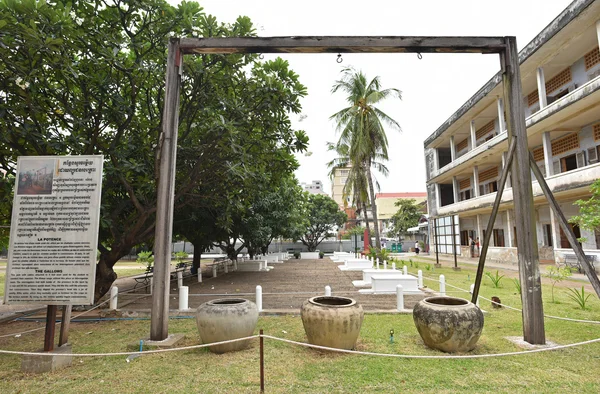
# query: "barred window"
485, 129
488, 174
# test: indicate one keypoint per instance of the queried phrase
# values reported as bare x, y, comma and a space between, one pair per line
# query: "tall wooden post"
159, 324
529, 272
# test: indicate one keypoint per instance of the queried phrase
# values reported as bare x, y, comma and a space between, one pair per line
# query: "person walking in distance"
417, 248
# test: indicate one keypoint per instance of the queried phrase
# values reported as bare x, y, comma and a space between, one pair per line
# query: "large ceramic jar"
448, 324
332, 321
225, 319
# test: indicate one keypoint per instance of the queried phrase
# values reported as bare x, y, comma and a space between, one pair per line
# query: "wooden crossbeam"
342, 44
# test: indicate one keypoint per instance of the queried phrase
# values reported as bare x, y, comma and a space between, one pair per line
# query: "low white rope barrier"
375, 354
433, 357
513, 308
128, 353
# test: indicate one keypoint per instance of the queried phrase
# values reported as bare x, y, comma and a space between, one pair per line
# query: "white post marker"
183, 298
472, 289
235, 265
442, 285
226, 264
384, 264
328, 291
405, 270
376, 265
420, 278
214, 271
151, 284
259, 298
114, 293
394, 266
399, 298
179, 278
200, 274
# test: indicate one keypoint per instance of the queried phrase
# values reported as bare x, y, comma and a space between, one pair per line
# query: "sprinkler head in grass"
392, 335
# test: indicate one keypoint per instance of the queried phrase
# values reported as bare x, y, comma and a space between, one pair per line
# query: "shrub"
579, 297
146, 258
556, 275
297, 255
517, 283
495, 278
321, 254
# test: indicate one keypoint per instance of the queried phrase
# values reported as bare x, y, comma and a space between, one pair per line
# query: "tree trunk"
105, 275
364, 204
196, 259
373, 207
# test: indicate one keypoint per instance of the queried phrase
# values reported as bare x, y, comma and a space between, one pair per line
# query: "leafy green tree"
589, 210
362, 126
323, 215
88, 78
407, 216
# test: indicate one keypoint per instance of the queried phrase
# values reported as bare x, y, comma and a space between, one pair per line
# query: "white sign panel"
54, 230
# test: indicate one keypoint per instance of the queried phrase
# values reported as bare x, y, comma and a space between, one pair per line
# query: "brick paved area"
308, 277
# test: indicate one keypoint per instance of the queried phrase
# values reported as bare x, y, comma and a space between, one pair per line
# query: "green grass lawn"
293, 369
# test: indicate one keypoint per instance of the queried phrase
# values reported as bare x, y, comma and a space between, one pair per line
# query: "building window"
464, 238
568, 163
498, 234
465, 195
343, 180
344, 172
483, 131
547, 234
564, 242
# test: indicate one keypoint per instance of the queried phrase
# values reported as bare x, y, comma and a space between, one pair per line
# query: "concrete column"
598, 30
455, 189
479, 231
436, 161
438, 202
541, 84
509, 225
555, 232
547, 144
473, 135
501, 121
538, 228
476, 181
508, 181
452, 149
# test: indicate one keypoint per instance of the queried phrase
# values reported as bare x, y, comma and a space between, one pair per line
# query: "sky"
433, 88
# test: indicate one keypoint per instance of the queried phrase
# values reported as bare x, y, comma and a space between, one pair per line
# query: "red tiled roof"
401, 195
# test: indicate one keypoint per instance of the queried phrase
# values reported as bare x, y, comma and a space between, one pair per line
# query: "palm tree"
356, 184
361, 127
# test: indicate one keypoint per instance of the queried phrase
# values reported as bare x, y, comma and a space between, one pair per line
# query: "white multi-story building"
560, 71
316, 187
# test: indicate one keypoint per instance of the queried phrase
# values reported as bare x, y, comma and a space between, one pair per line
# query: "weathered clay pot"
225, 319
448, 324
332, 321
